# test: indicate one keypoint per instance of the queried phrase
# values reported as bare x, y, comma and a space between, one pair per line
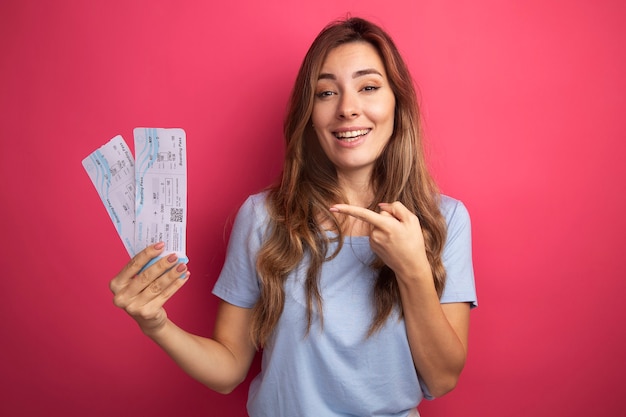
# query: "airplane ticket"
161, 189
146, 197
112, 171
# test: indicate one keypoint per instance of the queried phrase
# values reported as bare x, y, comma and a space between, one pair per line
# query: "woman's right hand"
142, 293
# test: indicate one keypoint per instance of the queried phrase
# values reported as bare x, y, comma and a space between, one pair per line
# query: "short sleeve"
238, 282
457, 254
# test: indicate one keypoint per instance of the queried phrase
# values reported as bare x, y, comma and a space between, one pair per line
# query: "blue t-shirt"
336, 370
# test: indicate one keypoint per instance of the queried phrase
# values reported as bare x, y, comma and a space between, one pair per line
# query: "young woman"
353, 273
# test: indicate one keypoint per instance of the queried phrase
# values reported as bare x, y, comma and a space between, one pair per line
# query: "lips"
350, 135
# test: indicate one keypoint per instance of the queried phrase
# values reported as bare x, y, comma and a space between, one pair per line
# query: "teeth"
351, 134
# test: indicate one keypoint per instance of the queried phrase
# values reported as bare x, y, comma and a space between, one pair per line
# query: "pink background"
523, 103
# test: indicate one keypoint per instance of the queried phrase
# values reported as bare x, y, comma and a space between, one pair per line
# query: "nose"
348, 106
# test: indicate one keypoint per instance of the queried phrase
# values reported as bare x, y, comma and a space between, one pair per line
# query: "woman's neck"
357, 189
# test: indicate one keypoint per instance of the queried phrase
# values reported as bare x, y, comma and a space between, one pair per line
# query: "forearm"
438, 346
204, 359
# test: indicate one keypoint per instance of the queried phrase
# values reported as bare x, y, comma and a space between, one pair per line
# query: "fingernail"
159, 245
181, 267
172, 258
334, 209
185, 275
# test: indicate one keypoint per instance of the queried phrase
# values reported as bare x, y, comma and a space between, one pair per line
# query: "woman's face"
353, 109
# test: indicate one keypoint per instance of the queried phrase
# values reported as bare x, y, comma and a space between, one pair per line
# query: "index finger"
360, 213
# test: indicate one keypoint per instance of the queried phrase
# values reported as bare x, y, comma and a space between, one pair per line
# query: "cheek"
316, 124
384, 111
315, 120
319, 116
391, 109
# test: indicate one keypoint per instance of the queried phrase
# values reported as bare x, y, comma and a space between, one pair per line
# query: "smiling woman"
352, 272
353, 113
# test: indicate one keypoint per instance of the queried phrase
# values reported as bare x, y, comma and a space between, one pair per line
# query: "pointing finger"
360, 213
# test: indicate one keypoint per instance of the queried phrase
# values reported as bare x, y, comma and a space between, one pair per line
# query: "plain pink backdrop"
523, 103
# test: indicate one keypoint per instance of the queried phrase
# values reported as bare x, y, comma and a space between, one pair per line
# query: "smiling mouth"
351, 135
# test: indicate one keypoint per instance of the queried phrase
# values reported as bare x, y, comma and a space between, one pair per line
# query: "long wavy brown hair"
298, 204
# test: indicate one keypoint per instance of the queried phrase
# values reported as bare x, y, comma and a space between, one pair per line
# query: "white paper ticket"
161, 189
112, 171
146, 197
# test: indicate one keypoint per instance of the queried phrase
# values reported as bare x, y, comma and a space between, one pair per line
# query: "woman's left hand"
395, 236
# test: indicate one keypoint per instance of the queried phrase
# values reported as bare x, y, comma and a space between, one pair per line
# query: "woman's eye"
370, 88
323, 94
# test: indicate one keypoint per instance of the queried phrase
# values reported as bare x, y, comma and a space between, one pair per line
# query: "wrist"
154, 331
418, 274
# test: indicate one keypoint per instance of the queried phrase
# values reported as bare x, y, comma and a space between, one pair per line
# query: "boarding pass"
145, 197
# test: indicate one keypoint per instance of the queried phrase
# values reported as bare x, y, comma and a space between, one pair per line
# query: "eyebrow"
360, 73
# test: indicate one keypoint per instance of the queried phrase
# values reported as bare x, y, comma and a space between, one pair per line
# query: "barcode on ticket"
176, 215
